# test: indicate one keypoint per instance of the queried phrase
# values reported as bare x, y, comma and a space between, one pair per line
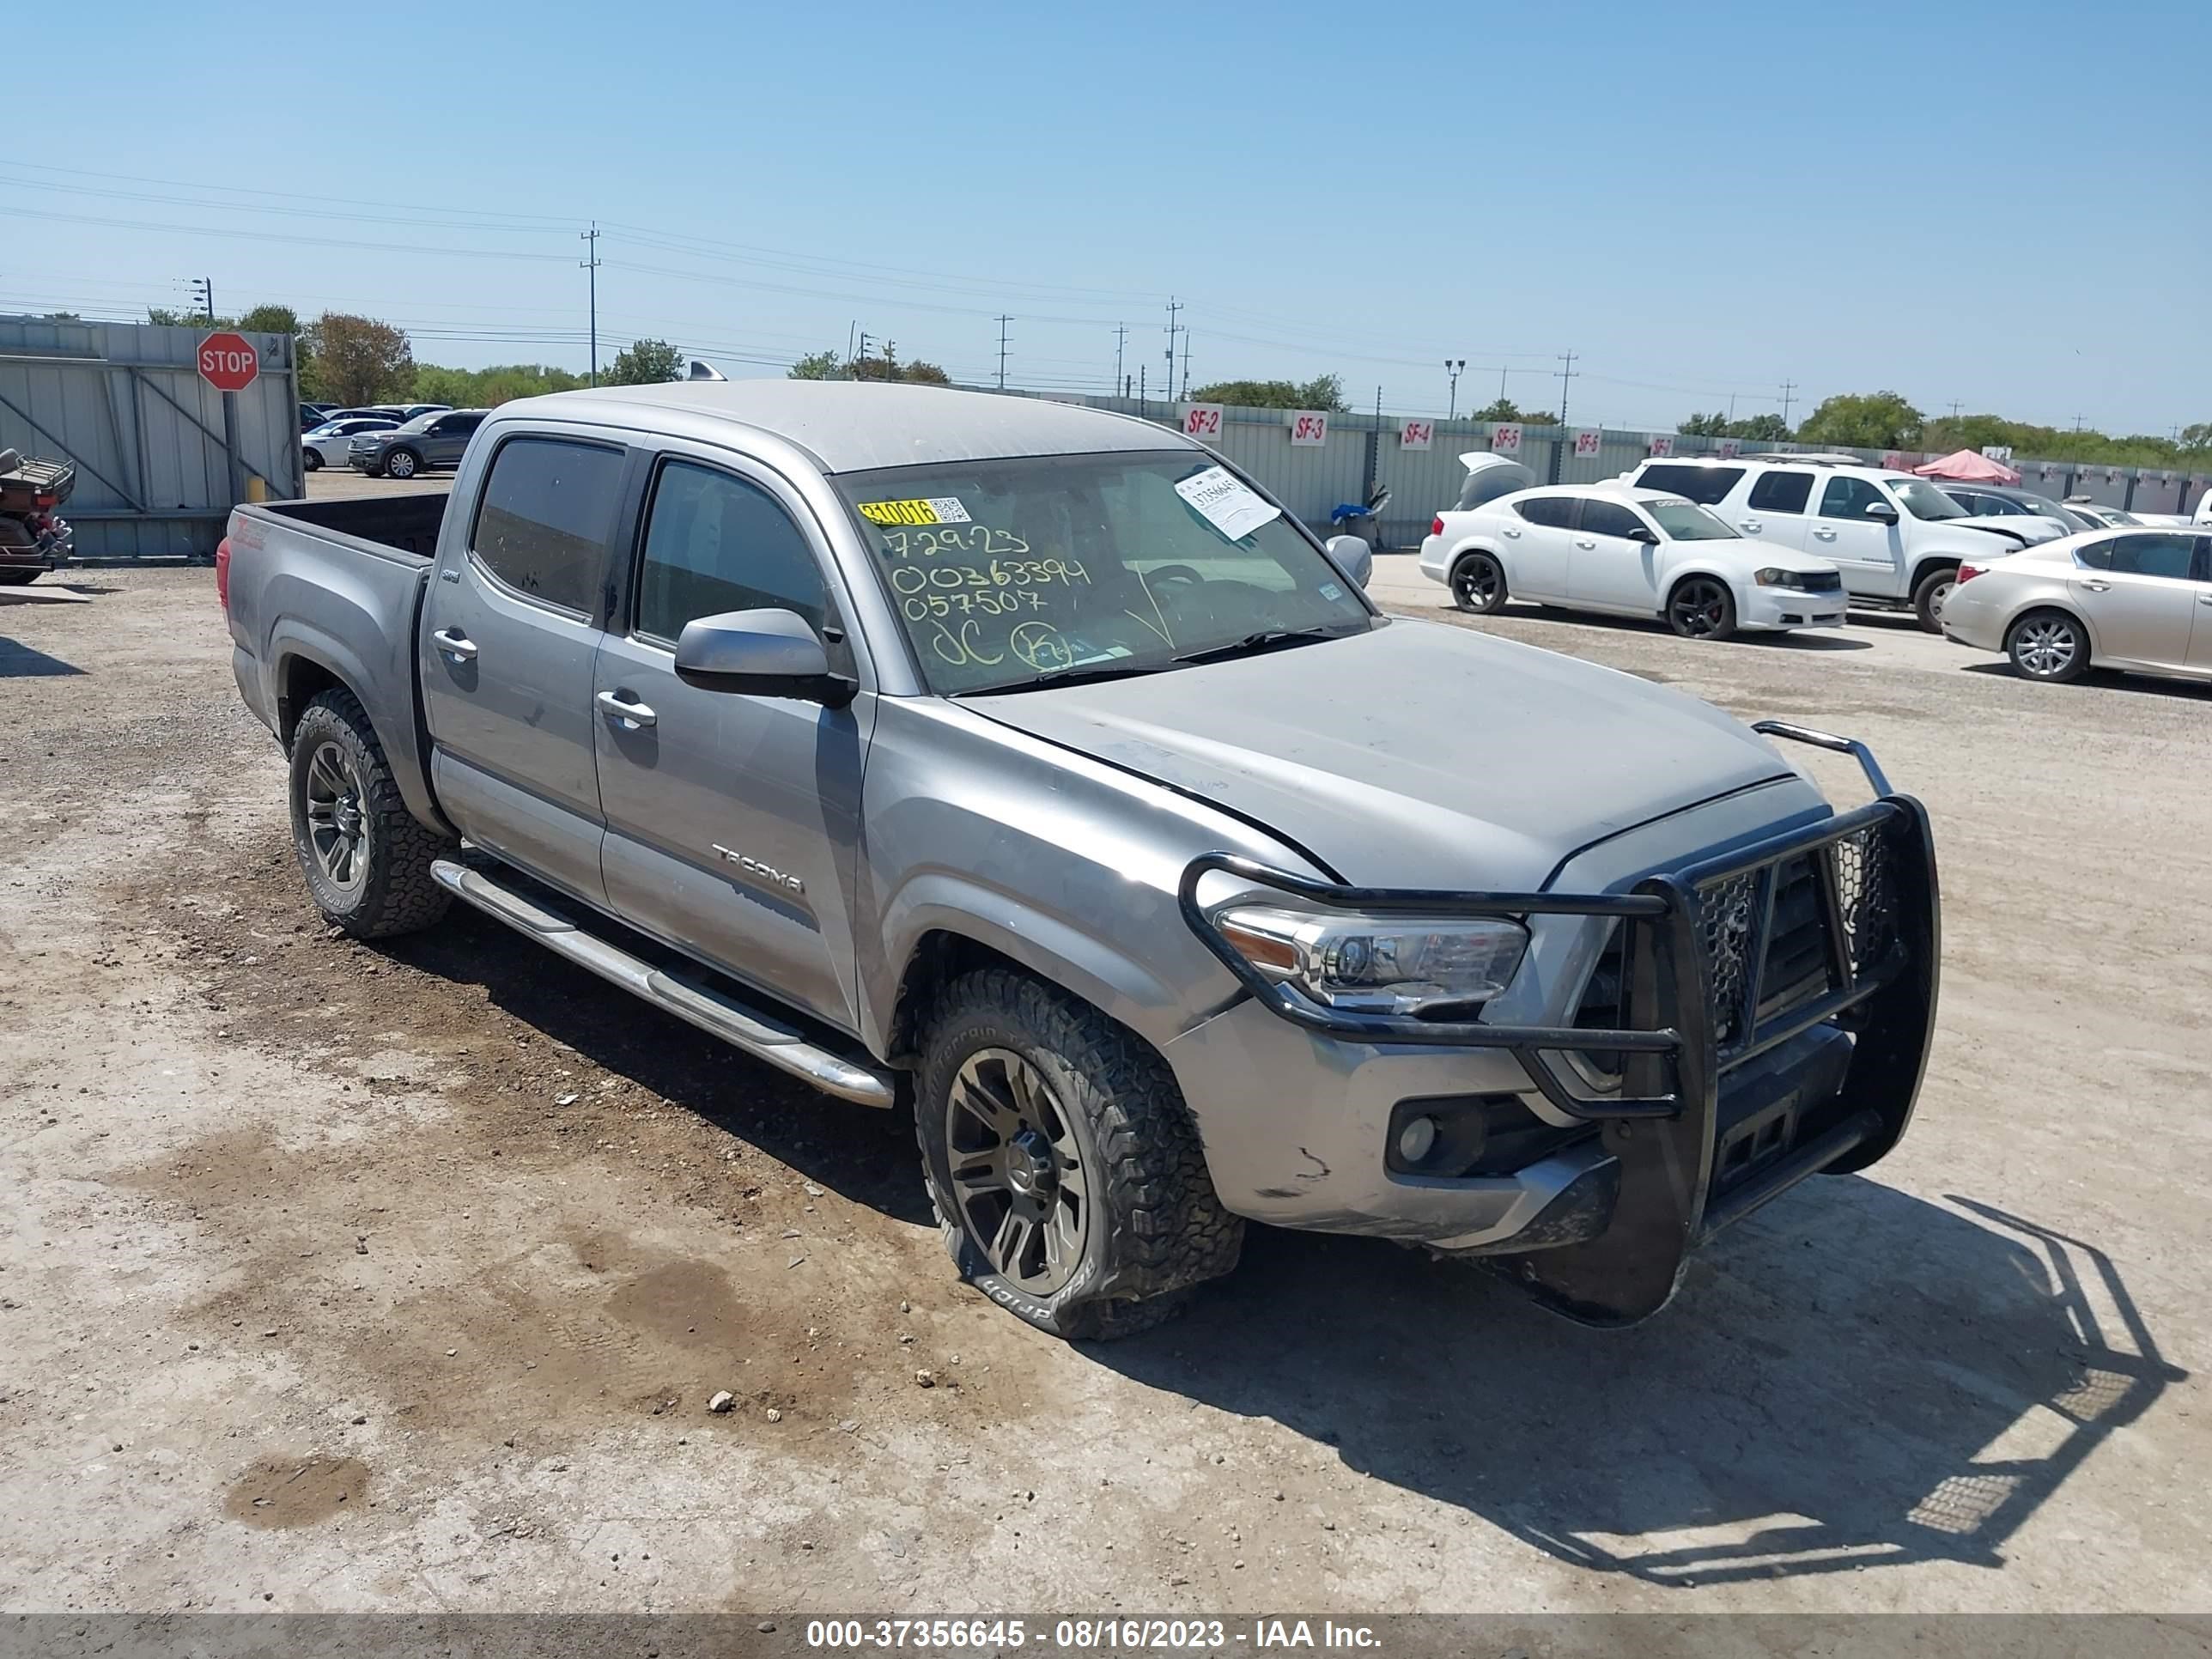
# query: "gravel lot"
350, 1278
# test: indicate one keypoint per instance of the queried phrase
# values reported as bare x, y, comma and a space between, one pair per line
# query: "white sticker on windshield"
1222, 500
948, 509
1330, 590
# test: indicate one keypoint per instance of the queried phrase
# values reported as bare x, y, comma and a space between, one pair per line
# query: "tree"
1322, 391
356, 360
644, 363
2196, 437
271, 320
1864, 420
1766, 429
488, 388
817, 366
1506, 410
169, 317
916, 373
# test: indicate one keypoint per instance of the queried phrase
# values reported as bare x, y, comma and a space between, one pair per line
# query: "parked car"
2092, 515
364, 412
2004, 502
424, 444
1899, 540
1017, 758
329, 444
1628, 552
2138, 599
313, 415
416, 411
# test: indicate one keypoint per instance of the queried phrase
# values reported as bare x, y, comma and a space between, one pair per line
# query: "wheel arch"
2072, 612
308, 662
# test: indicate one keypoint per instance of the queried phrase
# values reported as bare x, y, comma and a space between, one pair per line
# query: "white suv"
1899, 540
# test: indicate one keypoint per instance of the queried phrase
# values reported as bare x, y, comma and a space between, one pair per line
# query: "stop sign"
228, 362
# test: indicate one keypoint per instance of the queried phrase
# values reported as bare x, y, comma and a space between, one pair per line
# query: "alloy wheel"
1698, 608
1475, 583
1017, 1171
2045, 646
337, 827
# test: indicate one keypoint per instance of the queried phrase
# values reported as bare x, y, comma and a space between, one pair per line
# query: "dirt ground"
342, 1277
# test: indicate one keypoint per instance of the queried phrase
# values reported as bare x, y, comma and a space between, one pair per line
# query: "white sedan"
1628, 552
325, 445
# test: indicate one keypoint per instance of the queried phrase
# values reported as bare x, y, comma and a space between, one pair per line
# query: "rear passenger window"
547, 507
1782, 492
2152, 556
715, 543
1706, 485
2098, 555
1553, 512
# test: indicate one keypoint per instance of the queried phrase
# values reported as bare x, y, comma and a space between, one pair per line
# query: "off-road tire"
1478, 583
1156, 1228
1928, 596
397, 894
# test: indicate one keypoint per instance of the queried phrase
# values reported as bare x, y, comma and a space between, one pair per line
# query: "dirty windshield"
1007, 572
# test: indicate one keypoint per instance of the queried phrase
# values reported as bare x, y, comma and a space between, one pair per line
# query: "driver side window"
715, 543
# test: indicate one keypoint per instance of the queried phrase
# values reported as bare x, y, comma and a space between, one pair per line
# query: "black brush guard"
1694, 953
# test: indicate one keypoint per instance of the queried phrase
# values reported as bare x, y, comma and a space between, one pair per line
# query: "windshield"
1685, 521
421, 423
1003, 571
1924, 501
2043, 506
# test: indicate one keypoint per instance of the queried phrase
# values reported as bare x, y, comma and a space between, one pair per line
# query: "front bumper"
1728, 1091
1791, 607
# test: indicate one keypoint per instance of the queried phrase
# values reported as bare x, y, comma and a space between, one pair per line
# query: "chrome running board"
759, 1034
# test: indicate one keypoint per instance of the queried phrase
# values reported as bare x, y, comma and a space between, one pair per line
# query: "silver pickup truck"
1028, 764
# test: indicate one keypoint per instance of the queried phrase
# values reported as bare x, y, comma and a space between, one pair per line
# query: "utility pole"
854, 369
1789, 389
1454, 367
1186, 362
592, 265
891, 360
1003, 321
1567, 372
203, 296
1174, 328
849, 334
1143, 393
1501, 383
1956, 406
1121, 337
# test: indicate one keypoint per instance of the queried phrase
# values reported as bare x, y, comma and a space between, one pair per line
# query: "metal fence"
161, 456
1362, 450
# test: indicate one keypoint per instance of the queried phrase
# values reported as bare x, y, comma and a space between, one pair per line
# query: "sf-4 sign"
1416, 434
1309, 426
1202, 422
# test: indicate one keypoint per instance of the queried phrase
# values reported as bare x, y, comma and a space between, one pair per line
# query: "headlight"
1377, 964
1775, 576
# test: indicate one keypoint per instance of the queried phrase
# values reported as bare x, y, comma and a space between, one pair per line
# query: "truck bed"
325, 593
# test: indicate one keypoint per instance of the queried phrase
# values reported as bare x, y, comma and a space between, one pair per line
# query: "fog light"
1417, 1140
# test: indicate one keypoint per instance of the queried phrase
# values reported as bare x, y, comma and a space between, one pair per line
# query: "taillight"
223, 574
1436, 524
1968, 571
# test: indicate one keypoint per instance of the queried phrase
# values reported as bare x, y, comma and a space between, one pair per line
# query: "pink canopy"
1966, 467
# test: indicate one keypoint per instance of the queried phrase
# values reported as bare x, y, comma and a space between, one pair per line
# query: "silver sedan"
2139, 599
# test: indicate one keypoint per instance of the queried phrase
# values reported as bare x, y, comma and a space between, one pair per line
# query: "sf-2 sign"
1202, 422
228, 362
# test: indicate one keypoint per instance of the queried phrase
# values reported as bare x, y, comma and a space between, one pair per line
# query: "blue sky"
2008, 205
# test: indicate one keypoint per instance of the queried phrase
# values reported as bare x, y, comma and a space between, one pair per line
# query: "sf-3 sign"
1309, 426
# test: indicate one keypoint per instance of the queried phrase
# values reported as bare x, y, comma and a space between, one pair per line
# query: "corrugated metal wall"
125, 402
1311, 482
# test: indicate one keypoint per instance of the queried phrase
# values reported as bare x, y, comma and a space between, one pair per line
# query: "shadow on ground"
1829, 1391
19, 661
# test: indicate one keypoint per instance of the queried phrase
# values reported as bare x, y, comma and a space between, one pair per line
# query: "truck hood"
1418, 754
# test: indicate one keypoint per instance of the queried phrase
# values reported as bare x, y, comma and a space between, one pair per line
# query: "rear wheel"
1930, 595
1065, 1168
2048, 645
1478, 583
311, 457
366, 858
1701, 608
402, 464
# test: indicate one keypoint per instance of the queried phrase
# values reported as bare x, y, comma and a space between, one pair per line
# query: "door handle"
1824, 535
2204, 599
1511, 534
1583, 541
616, 707
455, 644
2105, 587
1752, 526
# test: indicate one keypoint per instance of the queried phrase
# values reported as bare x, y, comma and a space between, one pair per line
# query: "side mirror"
1649, 537
761, 654
1352, 555
1882, 512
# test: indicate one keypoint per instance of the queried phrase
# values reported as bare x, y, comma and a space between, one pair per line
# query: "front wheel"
311, 459
1066, 1170
1929, 597
401, 463
1478, 584
1702, 608
2049, 645
365, 857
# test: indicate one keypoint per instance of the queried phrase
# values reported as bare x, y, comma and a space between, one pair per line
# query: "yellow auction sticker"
937, 509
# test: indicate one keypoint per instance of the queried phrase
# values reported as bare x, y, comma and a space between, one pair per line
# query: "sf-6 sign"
228, 362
